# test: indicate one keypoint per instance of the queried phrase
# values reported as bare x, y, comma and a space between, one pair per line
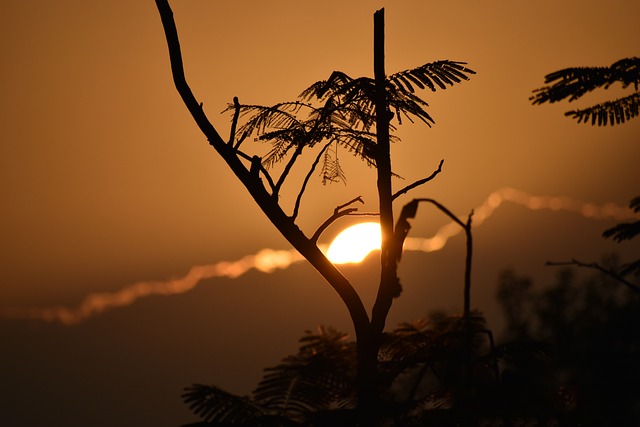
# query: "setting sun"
354, 243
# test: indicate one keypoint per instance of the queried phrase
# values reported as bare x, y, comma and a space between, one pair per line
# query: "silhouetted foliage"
620, 233
591, 326
627, 231
341, 111
573, 83
445, 370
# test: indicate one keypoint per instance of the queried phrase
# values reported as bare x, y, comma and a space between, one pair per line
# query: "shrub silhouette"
442, 371
590, 326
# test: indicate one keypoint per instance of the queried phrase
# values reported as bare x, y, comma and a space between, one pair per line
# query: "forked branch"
252, 182
594, 265
296, 208
339, 212
402, 229
419, 182
256, 163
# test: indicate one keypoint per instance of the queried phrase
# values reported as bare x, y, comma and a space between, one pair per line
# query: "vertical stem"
368, 384
383, 157
388, 288
467, 270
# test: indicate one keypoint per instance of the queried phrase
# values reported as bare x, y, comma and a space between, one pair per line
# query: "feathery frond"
342, 109
573, 83
627, 231
610, 112
318, 376
261, 118
215, 405
428, 76
331, 169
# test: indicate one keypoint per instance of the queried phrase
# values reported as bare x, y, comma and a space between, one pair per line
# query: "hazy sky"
106, 181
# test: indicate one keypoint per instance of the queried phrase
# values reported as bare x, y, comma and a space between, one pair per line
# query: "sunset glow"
354, 243
351, 246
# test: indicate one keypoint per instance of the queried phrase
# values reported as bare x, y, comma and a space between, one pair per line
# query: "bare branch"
264, 200
234, 122
339, 213
419, 182
260, 168
296, 207
402, 229
350, 202
595, 266
287, 168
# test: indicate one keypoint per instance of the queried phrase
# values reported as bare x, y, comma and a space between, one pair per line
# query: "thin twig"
328, 222
296, 207
596, 266
261, 168
338, 212
350, 202
287, 168
234, 122
419, 182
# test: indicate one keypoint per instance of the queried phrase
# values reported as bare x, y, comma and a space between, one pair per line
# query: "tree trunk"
368, 380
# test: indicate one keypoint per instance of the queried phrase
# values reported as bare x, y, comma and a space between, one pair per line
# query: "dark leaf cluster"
573, 83
588, 324
341, 110
445, 363
627, 231
610, 112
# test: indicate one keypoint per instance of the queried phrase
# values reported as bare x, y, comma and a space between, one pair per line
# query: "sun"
354, 243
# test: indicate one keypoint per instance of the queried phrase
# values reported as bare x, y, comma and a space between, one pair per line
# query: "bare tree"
355, 114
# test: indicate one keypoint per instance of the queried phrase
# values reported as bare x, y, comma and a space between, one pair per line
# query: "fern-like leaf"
331, 170
626, 231
573, 83
317, 377
610, 112
439, 73
215, 405
262, 119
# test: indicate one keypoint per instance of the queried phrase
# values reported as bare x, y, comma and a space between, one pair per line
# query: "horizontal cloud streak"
269, 260
507, 194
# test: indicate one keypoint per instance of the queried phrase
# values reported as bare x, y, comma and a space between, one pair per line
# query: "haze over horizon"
107, 182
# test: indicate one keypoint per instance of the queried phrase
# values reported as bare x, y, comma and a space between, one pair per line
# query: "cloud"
266, 261
507, 194
270, 260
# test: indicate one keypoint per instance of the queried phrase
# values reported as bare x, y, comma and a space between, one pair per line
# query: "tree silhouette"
573, 83
590, 326
341, 112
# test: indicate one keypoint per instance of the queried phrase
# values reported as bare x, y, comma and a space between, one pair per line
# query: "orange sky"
105, 180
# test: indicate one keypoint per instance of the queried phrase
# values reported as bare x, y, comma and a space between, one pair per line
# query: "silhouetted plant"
321, 376
573, 83
355, 114
590, 326
627, 231
430, 370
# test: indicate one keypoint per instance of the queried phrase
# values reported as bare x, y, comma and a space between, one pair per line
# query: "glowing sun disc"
354, 243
